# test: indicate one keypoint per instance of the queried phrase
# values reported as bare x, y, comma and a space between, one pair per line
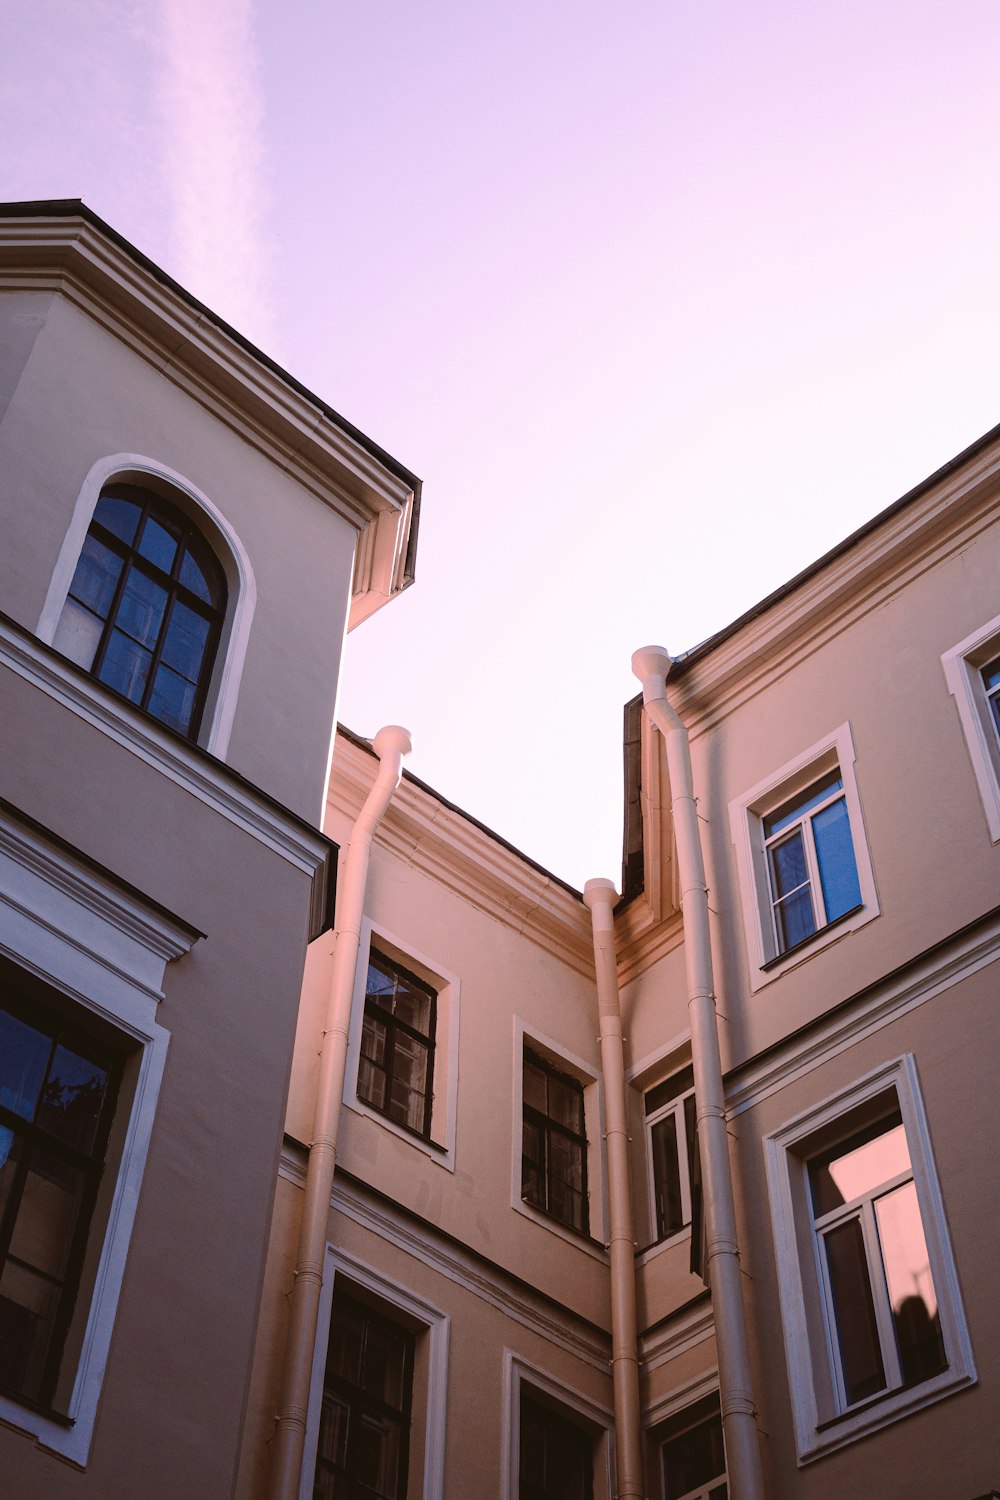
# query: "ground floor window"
556, 1460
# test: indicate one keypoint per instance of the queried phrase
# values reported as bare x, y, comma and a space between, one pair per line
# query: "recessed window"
990, 675
556, 1455
693, 1462
554, 1142
57, 1099
364, 1431
811, 867
396, 1068
670, 1142
145, 606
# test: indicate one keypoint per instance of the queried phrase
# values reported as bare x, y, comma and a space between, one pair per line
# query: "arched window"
145, 607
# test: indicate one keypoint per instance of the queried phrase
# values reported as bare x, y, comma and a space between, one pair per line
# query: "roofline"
359, 740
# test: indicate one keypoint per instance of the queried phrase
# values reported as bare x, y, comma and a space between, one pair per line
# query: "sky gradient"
661, 301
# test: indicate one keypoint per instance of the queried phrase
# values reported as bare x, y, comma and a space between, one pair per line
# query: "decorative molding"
676, 1337
595, 1419
463, 858
184, 765
681, 1397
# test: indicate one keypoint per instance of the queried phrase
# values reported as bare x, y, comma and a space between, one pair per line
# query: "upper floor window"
364, 1431
145, 606
972, 671
991, 684
670, 1141
554, 1143
396, 1068
57, 1097
812, 871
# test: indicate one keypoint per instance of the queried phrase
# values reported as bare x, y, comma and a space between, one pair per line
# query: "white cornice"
211, 784
452, 850
72, 256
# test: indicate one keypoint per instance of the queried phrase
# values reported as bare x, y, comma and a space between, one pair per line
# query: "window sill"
442, 1156
37, 1408
580, 1238
880, 1411
806, 942
668, 1242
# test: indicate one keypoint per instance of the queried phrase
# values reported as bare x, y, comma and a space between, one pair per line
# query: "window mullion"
880, 1296
812, 865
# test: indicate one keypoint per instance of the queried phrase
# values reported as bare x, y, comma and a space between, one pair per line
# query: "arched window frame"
133, 468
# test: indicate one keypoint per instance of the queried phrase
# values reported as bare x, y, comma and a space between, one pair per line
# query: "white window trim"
962, 666
674, 1107
223, 690
808, 1352
447, 987
436, 1327
107, 951
746, 821
594, 1242
518, 1371
653, 1069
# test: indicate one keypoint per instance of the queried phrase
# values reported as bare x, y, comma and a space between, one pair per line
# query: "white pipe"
391, 744
651, 666
600, 896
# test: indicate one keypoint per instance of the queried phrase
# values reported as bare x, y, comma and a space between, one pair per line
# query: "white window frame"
963, 666
595, 1419
594, 1241
672, 1107
432, 1324
447, 986
135, 468
107, 951
746, 820
821, 1421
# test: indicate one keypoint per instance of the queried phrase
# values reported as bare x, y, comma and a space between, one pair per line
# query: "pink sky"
660, 300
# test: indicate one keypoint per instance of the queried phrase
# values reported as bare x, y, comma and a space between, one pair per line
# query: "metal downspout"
651, 666
390, 744
600, 896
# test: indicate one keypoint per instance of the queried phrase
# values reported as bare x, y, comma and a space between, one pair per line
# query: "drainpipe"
601, 896
651, 666
391, 744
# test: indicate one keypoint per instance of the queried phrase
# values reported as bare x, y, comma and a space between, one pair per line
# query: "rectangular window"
364, 1430
972, 672
554, 1143
556, 1455
869, 1296
670, 1142
57, 1098
396, 1069
693, 1462
990, 675
810, 860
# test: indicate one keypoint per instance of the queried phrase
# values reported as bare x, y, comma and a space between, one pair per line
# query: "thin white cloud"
211, 107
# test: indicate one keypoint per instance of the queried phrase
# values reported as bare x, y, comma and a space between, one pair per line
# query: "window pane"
125, 666
795, 919
119, 516
534, 1087
385, 1365
373, 1038
409, 1061
184, 644
859, 1165
566, 1160
47, 1214
346, 1339
10, 1155
792, 811
566, 1104
96, 577
838, 872
333, 1427
172, 699
860, 1355
27, 1310
667, 1177
693, 1459
24, 1056
407, 1105
140, 612
78, 634
911, 1287
71, 1101
158, 544
371, 1084
193, 578
376, 1459
670, 1088
788, 865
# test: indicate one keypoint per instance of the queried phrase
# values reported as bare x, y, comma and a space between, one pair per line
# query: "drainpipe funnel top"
392, 738
599, 893
652, 666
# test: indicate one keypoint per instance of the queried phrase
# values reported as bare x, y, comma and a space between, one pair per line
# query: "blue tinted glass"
125, 666
72, 1098
119, 516
801, 804
24, 1053
991, 674
158, 544
96, 577
788, 865
194, 579
172, 699
184, 646
795, 919
838, 873
140, 612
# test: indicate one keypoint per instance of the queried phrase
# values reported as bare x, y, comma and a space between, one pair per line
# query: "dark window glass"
554, 1143
694, 1463
556, 1456
56, 1100
991, 682
145, 607
672, 1144
365, 1419
396, 1071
